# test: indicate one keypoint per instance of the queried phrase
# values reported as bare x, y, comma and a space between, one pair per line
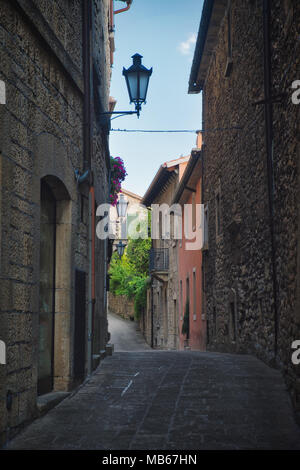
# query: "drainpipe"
111, 14
129, 2
87, 83
203, 260
269, 148
92, 299
88, 150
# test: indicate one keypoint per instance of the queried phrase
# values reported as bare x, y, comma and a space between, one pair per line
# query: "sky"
164, 32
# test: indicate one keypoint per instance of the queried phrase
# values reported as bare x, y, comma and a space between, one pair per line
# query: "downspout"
129, 2
92, 298
111, 14
269, 148
111, 29
87, 88
88, 139
203, 259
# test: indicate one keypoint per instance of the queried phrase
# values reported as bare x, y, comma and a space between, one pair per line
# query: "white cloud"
185, 47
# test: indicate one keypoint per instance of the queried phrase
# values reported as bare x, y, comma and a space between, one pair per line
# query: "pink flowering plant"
118, 174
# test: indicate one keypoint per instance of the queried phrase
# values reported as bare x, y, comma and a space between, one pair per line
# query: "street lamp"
122, 206
121, 248
137, 80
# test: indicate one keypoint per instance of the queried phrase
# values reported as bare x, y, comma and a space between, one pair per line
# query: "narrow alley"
124, 335
149, 399
149, 229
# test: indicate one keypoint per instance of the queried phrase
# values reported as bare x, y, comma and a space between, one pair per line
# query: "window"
181, 302
160, 225
187, 305
205, 227
194, 211
187, 294
229, 40
194, 296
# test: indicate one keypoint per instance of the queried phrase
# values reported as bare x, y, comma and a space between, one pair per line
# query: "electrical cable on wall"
183, 130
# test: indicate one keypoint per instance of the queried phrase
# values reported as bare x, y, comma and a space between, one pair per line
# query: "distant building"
121, 305
189, 195
118, 226
161, 327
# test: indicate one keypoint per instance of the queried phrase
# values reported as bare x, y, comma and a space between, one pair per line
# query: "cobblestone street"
171, 400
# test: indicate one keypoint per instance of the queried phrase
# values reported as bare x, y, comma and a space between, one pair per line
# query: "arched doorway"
55, 287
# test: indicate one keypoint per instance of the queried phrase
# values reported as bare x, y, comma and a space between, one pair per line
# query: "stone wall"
121, 305
164, 291
41, 139
285, 69
238, 265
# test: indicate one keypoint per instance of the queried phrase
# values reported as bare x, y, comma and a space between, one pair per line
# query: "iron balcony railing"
159, 259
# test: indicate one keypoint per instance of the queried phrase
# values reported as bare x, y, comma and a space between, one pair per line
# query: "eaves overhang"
165, 172
212, 14
189, 178
157, 184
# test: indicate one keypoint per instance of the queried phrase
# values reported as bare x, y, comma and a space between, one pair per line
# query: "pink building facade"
190, 254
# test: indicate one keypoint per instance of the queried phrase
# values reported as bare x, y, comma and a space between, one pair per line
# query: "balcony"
159, 260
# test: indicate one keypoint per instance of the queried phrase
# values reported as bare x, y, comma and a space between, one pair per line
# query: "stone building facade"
160, 327
54, 169
190, 248
246, 59
118, 227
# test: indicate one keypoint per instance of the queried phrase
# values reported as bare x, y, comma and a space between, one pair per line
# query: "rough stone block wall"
121, 305
238, 264
40, 135
285, 70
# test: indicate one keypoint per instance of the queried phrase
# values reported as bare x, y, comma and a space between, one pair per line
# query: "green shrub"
129, 275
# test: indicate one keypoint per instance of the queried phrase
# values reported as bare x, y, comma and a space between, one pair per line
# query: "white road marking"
125, 389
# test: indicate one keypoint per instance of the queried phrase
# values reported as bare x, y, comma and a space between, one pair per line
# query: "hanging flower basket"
118, 174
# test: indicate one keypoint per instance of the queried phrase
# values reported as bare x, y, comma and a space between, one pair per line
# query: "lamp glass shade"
137, 79
121, 248
132, 85
144, 81
122, 206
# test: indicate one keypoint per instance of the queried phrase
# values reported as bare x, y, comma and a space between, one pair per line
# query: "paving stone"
180, 400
